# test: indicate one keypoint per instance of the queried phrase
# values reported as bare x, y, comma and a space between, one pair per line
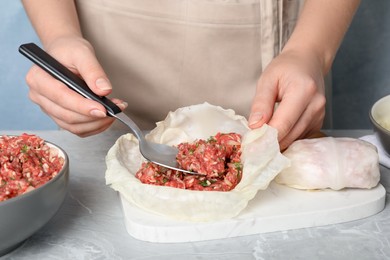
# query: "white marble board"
276, 209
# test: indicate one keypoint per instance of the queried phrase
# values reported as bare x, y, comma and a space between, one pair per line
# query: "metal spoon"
160, 154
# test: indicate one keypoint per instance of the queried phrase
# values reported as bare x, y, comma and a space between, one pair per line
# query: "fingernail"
123, 105
103, 84
255, 118
97, 113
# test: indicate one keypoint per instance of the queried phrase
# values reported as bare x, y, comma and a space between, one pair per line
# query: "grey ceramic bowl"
22, 216
380, 119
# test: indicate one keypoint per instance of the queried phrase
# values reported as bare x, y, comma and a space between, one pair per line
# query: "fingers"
79, 124
293, 103
86, 129
68, 109
78, 55
50, 94
300, 113
308, 123
263, 103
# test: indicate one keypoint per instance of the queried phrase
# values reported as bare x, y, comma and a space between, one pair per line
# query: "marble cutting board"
276, 209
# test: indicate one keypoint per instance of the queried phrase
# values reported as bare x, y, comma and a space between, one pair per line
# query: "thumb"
93, 74
262, 104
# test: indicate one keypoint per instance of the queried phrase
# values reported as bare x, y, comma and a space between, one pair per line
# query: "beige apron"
164, 54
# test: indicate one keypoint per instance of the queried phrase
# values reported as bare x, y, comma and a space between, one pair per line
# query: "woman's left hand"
290, 97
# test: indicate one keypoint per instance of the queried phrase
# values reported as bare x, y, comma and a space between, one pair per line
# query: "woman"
248, 55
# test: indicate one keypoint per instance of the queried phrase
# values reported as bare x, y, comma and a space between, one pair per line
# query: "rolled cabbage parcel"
330, 162
261, 161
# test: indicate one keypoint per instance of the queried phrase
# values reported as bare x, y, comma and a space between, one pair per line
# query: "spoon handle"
63, 74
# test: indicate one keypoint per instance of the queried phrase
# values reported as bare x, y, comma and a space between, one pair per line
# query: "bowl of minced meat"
33, 184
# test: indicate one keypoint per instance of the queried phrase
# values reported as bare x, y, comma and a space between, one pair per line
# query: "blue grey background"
17, 111
361, 71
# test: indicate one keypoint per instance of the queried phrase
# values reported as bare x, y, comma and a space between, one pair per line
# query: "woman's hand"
68, 109
295, 81
295, 77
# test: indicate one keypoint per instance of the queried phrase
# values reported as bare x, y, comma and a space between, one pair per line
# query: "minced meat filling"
26, 162
217, 158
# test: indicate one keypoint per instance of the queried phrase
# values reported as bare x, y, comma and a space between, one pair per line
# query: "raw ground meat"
26, 163
217, 158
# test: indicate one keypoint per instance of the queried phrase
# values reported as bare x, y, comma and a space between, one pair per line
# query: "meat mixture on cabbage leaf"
217, 159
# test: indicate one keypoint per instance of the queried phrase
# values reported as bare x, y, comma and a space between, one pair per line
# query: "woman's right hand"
68, 109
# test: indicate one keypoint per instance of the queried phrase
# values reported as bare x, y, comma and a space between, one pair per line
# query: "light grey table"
90, 223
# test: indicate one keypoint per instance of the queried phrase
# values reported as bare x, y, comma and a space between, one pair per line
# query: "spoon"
160, 154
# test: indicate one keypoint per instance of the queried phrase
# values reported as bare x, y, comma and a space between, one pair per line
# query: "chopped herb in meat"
205, 183
238, 166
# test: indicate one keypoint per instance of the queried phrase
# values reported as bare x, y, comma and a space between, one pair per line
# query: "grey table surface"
90, 224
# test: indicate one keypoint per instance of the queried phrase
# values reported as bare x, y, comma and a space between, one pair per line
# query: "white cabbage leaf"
261, 159
330, 162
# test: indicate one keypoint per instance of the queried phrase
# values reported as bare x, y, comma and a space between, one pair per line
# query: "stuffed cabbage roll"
261, 160
329, 162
